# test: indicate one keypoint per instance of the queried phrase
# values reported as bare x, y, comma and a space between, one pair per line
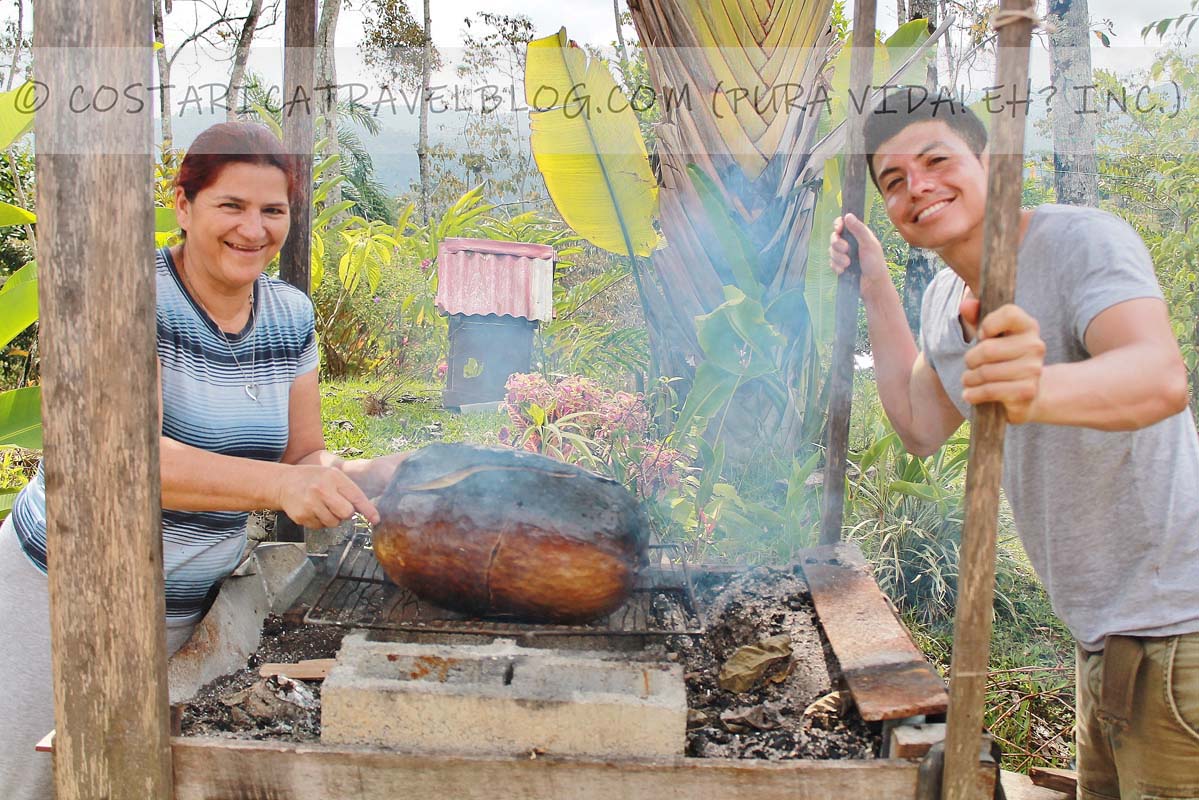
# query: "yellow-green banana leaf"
589, 149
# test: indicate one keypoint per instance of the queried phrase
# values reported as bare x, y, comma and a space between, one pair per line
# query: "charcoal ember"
501, 532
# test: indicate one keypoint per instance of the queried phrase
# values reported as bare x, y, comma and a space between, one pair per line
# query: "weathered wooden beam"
99, 401
299, 138
219, 769
853, 201
976, 569
885, 671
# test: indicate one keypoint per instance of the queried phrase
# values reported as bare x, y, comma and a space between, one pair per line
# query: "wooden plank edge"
209, 768
311, 669
923, 690
1060, 780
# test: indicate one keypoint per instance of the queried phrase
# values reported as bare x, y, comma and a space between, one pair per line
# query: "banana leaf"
588, 147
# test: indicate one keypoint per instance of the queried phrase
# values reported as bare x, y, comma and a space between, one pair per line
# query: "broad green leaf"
6, 500
588, 146
734, 244
25, 274
325, 164
711, 389
924, 491
21, 418
165, 221
15, 215
736, 337
267, 119
875, 451
15, 118
910, 34
18, 310
328, 213
820, 282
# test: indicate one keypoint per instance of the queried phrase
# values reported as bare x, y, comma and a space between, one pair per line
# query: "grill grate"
360, 595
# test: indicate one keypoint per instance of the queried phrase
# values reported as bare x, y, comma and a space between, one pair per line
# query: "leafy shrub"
906, 514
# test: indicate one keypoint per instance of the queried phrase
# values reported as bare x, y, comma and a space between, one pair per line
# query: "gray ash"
284, 640
767, 721
764, 722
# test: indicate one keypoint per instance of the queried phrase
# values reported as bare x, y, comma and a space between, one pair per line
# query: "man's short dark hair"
909, 105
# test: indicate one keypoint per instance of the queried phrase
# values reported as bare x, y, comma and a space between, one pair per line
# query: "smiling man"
1101, 462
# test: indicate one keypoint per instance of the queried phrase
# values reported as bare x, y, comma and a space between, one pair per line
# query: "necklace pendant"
252, 391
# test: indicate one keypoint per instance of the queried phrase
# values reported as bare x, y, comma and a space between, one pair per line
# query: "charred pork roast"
501, 532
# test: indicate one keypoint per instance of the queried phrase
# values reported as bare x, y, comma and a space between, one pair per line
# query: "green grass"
414, 419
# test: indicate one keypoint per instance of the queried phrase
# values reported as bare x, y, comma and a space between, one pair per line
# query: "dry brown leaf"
746, 666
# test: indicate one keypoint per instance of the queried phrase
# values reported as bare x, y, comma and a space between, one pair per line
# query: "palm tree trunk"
241, 54
164, 78
922, 264
326, 80
1075, 168
422, 144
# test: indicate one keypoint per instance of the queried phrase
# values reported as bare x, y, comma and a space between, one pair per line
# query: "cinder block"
268, 582
286, 572
502, 699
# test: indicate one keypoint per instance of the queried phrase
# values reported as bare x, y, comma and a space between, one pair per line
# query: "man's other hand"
870, 252
1005, 365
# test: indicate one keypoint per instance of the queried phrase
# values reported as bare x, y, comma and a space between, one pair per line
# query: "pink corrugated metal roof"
481, 276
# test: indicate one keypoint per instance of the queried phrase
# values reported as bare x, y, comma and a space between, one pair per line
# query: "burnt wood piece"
885, 671
501, 532
1060, 780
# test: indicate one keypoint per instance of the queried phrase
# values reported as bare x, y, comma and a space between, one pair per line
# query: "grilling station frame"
103, 491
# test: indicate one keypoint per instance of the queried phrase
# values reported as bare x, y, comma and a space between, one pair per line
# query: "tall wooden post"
976, 570
99, 401
299, 120
853, 201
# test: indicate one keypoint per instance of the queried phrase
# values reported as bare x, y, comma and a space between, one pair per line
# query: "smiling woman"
241, 427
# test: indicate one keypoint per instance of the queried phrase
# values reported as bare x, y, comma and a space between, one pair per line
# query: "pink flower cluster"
616, 424
592, 410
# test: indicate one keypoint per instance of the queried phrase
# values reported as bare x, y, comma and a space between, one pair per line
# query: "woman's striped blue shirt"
205, 405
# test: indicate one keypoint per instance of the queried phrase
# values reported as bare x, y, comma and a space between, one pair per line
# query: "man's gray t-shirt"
1110, 520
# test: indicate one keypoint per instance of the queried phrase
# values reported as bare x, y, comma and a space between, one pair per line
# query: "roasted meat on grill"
501, 532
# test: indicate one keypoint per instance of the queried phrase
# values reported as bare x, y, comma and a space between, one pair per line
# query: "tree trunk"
240, 54
1075, 169
422, 143
164, 78
624, 50
922, 264
326, 87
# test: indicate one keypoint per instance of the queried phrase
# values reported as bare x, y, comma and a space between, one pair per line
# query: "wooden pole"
99, 401
853, 201
976, 570
299, 138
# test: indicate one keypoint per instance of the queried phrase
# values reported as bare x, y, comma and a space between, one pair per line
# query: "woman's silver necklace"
251, 386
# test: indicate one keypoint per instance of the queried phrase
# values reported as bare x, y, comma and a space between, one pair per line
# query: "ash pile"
763, 683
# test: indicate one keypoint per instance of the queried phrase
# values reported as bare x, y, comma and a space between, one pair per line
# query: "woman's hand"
870, 252
321, 496
373, 474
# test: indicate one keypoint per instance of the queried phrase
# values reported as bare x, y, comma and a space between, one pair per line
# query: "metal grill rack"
359, 595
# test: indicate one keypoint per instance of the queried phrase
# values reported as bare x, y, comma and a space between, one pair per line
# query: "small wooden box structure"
495, 294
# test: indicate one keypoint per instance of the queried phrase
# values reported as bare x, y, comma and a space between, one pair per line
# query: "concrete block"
223, 640
269, 581
502, 699
286, 572
320, 540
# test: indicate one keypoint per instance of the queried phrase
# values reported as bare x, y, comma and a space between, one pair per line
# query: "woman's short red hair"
232, 143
